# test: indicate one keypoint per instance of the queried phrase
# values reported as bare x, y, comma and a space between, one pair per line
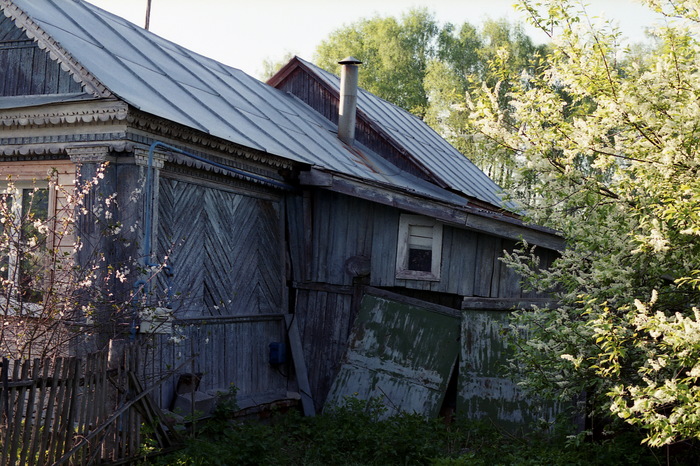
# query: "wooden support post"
307, 402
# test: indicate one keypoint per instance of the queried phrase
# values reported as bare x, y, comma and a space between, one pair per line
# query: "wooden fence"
77, 411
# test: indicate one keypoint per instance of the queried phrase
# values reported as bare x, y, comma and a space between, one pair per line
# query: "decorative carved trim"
90, 154
220, 181
42, 151
168, 129
65, 114
56, 52
141, 158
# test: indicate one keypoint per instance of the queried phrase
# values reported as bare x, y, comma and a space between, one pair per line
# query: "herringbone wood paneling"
226, 249
180, 237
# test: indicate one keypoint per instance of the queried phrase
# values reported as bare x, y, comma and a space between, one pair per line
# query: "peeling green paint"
485, 391
402, 353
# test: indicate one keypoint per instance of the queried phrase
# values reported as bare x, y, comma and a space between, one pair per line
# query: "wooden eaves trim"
463, 216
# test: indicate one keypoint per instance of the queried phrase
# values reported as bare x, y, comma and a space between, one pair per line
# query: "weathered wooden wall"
485, 391
334, 233
325, 316
25, 69
226, 252
228, 350
338, 243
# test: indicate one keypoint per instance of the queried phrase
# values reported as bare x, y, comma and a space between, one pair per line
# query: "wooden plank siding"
228, 350
326, 230
25, 69
227, 256
225, 250
342, 230
330, 230
325, 318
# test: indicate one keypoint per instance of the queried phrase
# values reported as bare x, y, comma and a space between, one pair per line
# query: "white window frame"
406, 224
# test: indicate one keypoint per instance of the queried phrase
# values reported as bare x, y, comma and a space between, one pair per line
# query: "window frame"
406, 221
20, 186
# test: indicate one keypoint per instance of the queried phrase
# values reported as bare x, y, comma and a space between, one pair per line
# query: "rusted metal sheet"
485, 391
401, 352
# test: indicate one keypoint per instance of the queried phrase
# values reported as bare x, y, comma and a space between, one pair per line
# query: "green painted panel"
485, 391
401, 352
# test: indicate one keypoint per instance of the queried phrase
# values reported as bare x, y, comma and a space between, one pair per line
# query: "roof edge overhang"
462, 216
56, 52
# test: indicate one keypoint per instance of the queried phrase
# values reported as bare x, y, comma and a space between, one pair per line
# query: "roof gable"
26, 69
418, 145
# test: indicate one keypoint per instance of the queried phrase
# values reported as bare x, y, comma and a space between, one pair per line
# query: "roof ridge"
55, 50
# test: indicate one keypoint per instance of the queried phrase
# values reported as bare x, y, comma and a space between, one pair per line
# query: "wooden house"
365, 245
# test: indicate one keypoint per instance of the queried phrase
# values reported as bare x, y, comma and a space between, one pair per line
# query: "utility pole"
148, 14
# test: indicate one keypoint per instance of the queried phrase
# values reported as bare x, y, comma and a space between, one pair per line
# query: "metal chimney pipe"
348, 99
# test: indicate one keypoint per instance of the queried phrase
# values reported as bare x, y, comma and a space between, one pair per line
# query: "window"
24, 210
419, 248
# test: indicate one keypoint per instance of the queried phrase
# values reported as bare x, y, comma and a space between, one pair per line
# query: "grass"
359, 434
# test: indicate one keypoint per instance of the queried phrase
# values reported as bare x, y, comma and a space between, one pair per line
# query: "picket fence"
78, 411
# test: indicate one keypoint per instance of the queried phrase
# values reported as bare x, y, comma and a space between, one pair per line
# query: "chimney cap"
350, 61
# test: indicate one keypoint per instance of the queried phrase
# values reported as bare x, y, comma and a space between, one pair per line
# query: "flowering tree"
58, 289
612, 143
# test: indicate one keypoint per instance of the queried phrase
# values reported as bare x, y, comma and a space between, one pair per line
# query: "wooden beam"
509, 230
463, 216
327, 287
437, 308
504, 304
307, 402
227, 319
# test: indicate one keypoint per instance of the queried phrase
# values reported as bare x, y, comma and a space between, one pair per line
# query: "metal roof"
423, 145
164, 79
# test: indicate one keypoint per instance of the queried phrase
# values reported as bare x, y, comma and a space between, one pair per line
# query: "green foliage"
611, 140
395, 55
358, 433
271, 66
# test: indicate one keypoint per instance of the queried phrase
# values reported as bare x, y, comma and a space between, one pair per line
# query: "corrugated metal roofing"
421, 142
169, 81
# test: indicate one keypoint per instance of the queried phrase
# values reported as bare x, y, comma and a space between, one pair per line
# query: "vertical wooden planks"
324, 319
28, 70
43, 375
19, 373
486, 264
296, 237
38, 77
460, 264
385, 232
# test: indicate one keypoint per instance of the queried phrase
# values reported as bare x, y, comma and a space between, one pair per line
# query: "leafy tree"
271, 66
395, 55
614, 147
498, 53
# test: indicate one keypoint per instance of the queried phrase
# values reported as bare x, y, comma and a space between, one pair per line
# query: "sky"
244, 33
